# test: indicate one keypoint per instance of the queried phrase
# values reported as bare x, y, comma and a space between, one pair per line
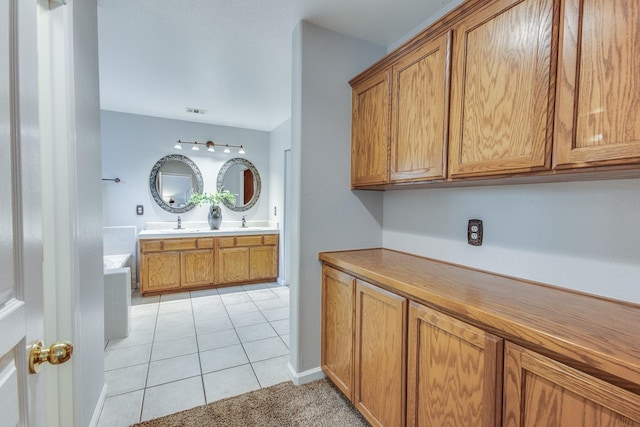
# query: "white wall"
327, 215
279, 141
132, 144
578, 235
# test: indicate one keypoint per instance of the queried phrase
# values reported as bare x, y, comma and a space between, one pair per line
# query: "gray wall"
132, 144
576, 235
326, 215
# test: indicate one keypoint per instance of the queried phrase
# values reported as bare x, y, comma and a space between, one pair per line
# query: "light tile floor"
192, 348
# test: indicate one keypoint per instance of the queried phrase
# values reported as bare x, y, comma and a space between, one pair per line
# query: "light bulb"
211, 149
178, 146
241, 151
226, 149
195, 147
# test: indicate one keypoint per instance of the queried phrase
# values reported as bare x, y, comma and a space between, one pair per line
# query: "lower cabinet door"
197, 268
454, 372
264, 262
234, 265
338, 293
380, 368
160, 271
539, 391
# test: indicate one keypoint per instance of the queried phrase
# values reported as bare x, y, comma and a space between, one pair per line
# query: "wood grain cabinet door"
539, 391
233, 264
264, 262
160, 271
598, 98
454, 372
197, 268
370, 127
338, 296
420, 112
502, 89
380, 357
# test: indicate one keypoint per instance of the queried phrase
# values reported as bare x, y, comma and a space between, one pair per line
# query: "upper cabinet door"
598, 98
502, 89
420, 112
370, 131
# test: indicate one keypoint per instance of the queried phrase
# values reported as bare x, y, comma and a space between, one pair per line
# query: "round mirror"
242, 179
174, 178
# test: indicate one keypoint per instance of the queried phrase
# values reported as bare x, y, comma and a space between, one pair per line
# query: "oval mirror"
241, 178
174, 178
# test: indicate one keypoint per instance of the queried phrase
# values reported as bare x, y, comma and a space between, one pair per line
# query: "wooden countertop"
597, 335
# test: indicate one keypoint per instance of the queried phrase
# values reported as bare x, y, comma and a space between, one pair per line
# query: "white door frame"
71, 195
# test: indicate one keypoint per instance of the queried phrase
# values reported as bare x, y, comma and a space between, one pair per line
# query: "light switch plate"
474, 232
139, 210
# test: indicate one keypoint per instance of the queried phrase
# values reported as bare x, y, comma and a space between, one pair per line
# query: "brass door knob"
58, 353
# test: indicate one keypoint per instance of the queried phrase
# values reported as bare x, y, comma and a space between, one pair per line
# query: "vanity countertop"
166, 230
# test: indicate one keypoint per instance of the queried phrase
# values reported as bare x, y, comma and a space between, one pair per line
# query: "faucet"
179, 227
244, 221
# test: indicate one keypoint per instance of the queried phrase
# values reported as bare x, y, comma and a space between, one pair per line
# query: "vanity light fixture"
210, 146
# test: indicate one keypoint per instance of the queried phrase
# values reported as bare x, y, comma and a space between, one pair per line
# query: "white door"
21, 318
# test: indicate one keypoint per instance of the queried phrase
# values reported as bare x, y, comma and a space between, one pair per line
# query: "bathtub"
117, 296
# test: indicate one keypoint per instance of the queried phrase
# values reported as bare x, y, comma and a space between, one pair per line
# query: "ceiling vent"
196, 110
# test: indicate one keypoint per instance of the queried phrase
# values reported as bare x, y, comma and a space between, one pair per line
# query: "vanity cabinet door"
539, 391
454, 372
160, 271
264, 262
502, 90
420, 112
380, 355
234, 264
370, 131
197, 268
598, 99
338, 297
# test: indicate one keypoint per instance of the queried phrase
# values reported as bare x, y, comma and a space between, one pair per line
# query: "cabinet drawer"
248, 240
151, 245
270, 239
226, 242
206, 243
173, 244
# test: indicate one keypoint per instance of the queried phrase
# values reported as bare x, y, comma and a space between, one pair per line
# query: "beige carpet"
318, 403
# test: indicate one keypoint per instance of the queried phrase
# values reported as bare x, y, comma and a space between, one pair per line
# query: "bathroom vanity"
197, 258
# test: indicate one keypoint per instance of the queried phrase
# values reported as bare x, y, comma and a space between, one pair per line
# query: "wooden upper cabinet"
598, 97
370, 131
454, 372
420, 111
539, 391
502, 89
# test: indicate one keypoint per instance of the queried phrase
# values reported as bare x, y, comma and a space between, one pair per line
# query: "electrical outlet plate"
474, 232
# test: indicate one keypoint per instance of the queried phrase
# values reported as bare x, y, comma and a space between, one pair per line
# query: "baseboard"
99, 406
282, 282
299, 378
